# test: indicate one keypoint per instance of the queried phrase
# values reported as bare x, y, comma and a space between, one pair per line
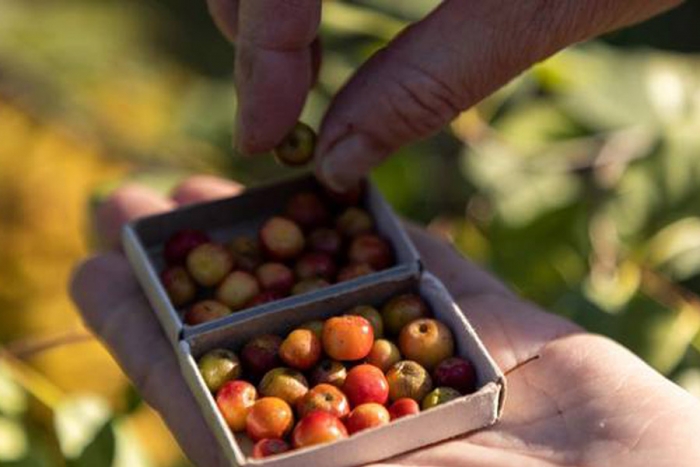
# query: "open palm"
573, 398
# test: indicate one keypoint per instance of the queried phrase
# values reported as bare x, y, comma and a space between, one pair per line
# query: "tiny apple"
403, 407
281, 238
317, 428
285, 383
217, 367
324, 240
367, 416
261, 354
237, 289
456, 373
315, 326
179, 285
353, 271
206, 310
330, 372
315, 264
276, 277
371, 249
301, 349
384, 354
209, 263
181, 243
426, 341
347, 337
408, 379
439, 396
401, 310
372, 315
234, 399
309, 285
297, 148
307, 210
324, 397
246, 253
354, 221
267, 447
266, 296
269, 417
366, 383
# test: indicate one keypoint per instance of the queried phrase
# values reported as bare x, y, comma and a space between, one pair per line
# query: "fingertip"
125, 204
347, 162
201, 188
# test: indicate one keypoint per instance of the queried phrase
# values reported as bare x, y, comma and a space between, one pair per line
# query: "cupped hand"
573, 398
459, 54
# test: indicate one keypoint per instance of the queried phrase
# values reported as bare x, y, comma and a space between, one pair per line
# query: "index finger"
274, 68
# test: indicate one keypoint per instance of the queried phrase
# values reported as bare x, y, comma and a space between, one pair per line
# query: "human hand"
459, 54
573, 398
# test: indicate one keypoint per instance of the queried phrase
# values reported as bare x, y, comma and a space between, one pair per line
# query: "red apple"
285, 383
301, 349
309, 285
179, 285
269, 447
307, 210
403, 407
246, 253
276, 277
408, 379
367, 416
401, 310
371, 249
324, 397
261, 354
269, 417
354, 221
281, 238
366, 383
426, 341
456, 373
204, 311
318, 428
217, 367
384, 355
324, 240
234, 400
330, 372
315, 264
181, 243
237, 289
347, 337
209, 263
353, 271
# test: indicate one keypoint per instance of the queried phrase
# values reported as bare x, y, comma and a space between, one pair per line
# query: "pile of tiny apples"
327, 380
316, 242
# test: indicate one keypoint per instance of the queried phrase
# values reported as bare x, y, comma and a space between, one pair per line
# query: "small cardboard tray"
458, 417
144, 238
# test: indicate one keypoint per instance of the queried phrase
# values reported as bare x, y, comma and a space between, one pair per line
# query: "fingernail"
347, 163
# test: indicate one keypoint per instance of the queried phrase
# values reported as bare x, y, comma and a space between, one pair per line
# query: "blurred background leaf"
577, 183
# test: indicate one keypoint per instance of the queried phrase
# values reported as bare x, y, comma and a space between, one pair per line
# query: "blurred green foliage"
577, 184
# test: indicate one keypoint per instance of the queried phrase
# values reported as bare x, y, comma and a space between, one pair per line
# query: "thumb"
463, 51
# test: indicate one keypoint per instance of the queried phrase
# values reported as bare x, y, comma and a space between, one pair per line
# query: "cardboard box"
143, 241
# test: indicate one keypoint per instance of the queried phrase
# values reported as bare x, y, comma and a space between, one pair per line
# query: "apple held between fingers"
298, 146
